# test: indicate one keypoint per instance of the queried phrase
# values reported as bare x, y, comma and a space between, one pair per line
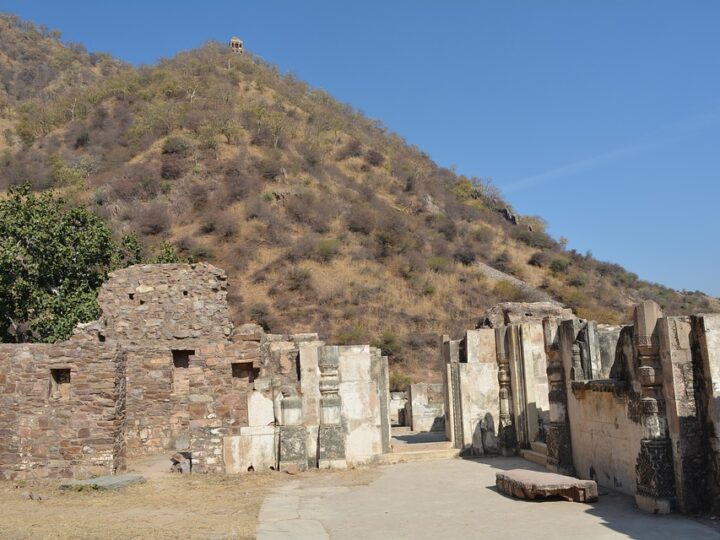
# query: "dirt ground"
165, 506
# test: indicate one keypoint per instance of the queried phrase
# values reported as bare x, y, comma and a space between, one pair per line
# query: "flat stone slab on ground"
527, 484
105, 482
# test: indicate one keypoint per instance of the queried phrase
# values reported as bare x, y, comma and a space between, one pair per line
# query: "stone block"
527, 484
260, 410
104, 483
255, 447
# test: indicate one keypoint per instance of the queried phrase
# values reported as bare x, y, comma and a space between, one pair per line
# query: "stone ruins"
633, 408
164, 369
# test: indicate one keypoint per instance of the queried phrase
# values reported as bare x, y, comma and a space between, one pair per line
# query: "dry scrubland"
323, 219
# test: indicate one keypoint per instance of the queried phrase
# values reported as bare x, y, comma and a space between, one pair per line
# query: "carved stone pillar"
654, 465
559, 448
506, 430
331, 433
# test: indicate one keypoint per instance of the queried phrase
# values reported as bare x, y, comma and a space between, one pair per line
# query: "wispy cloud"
661, 137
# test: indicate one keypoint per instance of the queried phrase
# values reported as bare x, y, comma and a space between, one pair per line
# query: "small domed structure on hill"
236, 44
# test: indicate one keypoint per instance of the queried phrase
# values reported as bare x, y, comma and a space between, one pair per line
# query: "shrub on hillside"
261, 314
226, 225
154, 219
353, 148
399, 381
465, 255
439, 264
173, 166
177, 145
447, 228
360, 219
539, 259
389, 344
536, 239
508, 292
559, 265
351, 335
503, 262
327, 248
483, 235
308, 209
270, 166
134, 182
299, 279
374, 158
311, 154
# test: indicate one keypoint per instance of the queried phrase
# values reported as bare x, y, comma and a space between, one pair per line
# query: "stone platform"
525, 484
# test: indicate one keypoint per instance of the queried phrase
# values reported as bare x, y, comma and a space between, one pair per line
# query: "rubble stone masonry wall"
61, 409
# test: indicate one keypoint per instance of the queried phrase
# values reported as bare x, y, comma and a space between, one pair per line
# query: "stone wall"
174, 304
425, 407
61, 409
164, 370
605, 439
398, 400
361, 391
633, 407
706, 361
472, 385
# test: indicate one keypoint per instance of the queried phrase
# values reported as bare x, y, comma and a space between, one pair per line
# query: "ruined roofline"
505, 313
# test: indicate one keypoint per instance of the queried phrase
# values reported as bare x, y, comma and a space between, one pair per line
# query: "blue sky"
601, 117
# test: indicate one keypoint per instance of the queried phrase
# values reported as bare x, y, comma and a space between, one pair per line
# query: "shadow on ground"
617, 511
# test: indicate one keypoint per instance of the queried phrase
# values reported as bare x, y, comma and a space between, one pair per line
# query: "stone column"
293, 450
331, 434
451, 382
654, 465
506, 430
559, 449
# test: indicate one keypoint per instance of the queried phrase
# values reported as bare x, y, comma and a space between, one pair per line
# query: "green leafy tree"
53, 260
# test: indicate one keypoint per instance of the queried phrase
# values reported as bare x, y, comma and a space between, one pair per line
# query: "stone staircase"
537, 453
427, 447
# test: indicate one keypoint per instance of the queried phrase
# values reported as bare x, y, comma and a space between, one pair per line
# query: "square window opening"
244, 370
181, 363
181, 358
60, 384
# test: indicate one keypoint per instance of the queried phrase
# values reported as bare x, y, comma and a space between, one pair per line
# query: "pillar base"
653, 505
292, 447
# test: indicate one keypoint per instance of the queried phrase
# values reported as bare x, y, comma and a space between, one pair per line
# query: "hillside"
323, 220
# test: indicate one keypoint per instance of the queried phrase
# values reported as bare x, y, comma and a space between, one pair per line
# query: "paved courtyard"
448, 499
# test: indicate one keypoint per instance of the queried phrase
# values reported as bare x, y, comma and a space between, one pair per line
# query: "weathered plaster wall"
479, 392
605, 441
425, 407
684, 425
360, 405
65, 430
528, 368
706, 330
